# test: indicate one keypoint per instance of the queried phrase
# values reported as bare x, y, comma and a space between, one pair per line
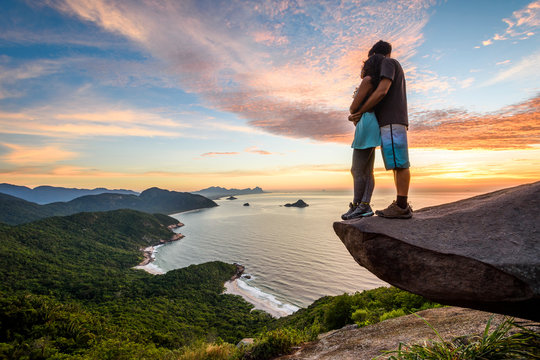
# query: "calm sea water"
292, 255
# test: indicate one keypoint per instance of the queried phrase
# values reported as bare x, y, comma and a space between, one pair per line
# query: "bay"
291, 255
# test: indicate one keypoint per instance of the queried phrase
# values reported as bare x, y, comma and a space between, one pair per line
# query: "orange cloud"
44, 122
269, 38
215, 153
255, 150
219, 55
520, 24
513, 127
27, 155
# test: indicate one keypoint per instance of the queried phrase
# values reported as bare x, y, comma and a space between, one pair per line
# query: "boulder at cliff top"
482, 252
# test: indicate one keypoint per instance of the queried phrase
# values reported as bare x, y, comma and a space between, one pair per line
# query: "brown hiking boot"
395, 212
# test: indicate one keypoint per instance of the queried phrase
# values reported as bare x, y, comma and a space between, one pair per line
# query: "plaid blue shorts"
394, 147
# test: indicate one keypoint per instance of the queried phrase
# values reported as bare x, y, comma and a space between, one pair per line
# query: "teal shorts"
394, 147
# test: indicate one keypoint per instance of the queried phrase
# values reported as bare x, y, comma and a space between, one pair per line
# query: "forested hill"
216, 192
49, 194
17, 211
69, 291
68, 288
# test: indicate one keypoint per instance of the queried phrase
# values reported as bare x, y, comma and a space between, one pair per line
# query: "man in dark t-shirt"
389, 100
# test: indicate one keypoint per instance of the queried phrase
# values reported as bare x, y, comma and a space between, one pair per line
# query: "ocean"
291, 255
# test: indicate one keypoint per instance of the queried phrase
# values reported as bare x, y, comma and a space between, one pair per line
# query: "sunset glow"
188, 94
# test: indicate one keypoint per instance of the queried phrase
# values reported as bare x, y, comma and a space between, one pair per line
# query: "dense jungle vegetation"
15, 211
69, 291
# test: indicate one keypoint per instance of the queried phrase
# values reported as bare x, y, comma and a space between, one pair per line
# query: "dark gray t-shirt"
393, 107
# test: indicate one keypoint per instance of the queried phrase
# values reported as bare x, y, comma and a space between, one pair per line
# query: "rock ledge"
482, 252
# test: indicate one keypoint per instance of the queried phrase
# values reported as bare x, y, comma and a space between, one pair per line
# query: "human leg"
363, 185
395, 153
369, 177
362, 171
403, 179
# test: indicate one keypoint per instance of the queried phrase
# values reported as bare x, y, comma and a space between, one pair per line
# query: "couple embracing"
379, 112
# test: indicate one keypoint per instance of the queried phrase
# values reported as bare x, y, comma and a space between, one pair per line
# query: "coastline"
146, 264
269, 305
232, 288
149, 253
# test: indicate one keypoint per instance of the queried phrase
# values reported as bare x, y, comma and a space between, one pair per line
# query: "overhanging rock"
482, 252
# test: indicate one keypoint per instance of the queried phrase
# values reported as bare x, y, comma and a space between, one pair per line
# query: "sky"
185, 94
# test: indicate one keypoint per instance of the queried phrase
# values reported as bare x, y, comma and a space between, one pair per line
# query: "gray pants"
362, 172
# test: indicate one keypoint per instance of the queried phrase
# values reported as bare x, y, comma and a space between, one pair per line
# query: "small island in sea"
300, 203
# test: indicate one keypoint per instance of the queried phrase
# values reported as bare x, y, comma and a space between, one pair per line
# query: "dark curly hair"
372, 68
381, 47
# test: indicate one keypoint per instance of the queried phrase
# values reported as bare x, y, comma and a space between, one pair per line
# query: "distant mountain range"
14, 210
216, 192
50, 194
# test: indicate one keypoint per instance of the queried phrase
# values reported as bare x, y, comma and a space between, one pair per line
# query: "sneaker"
395, 212
352, 207
363, 210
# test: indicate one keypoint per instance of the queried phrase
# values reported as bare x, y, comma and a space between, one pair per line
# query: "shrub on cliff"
275, 342
364, 308
338, 312
497, 344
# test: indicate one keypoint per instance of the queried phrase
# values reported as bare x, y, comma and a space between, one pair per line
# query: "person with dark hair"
389, 99
366, 138
381, 47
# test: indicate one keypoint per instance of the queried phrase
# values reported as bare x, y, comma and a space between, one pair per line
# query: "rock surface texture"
482, 252
353, 343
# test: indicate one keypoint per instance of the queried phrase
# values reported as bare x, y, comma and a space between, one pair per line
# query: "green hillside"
15, 211
69, 291
68, 287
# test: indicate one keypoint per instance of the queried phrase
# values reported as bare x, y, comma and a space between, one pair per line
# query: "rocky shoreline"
239, 271
149, 252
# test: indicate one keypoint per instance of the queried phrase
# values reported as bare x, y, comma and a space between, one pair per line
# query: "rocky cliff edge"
482, 252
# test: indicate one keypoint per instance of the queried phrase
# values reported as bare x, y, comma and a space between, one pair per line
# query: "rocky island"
300, 204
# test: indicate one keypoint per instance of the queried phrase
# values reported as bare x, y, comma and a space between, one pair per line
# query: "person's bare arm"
377, 95
365, 88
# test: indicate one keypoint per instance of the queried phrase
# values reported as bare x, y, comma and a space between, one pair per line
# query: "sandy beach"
149, 252
146, 264
231, 287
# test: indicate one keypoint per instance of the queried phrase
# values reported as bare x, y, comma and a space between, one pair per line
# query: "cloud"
255, 150
214, 153
520, 24
467, 82
232, 128
525, 69
514, 127
427, 81
269, 38
11, 75
124, 122
252, 150
220, 50
487, 42
22, 155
